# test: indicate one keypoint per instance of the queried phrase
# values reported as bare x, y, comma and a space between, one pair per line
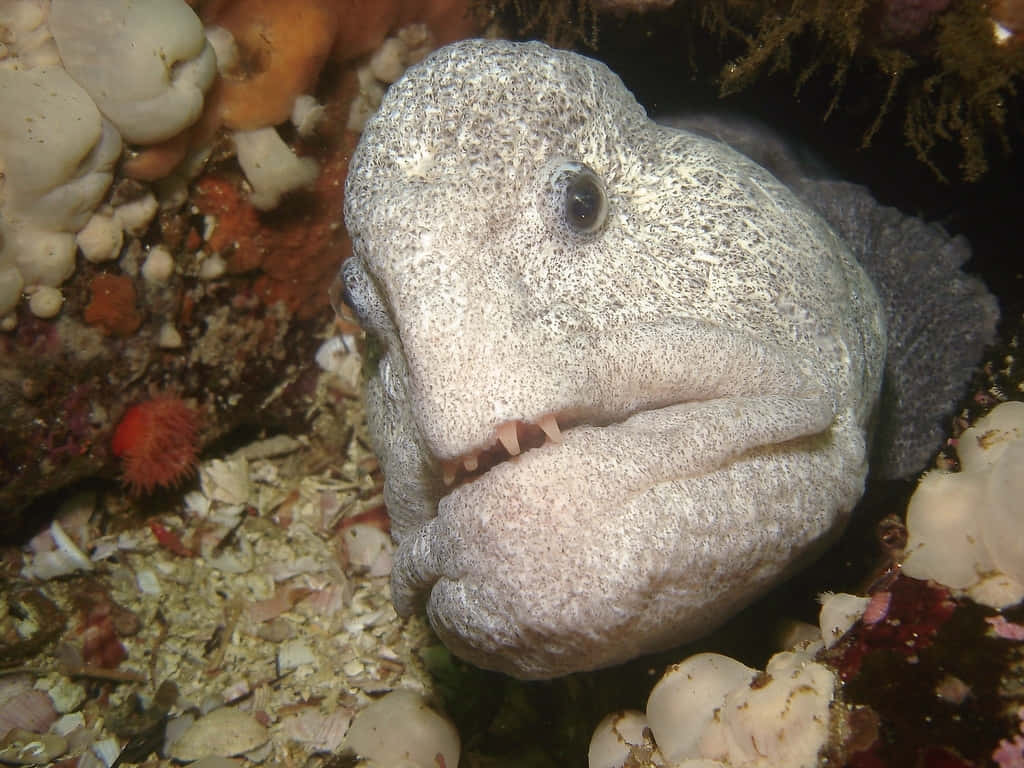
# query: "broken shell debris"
227, 732
259, 599
400, 729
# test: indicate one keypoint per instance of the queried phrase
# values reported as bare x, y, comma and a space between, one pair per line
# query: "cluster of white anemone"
966, 528
78, 79
711, 711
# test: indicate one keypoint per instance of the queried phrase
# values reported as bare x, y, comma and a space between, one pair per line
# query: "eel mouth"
511, 439
515, 441
661, 417
681, 438
581, 469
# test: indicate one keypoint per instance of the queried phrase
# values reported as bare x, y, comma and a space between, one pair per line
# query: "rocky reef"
178, 242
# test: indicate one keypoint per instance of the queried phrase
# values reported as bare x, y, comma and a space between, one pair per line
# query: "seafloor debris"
249, 619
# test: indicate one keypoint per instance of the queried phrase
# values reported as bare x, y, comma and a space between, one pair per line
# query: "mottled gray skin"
715, 344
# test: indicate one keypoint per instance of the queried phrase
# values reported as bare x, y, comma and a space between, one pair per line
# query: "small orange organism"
157, 441
112, 306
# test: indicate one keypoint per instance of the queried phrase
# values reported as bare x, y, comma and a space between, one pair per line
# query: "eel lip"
468, 416
513, 441
702, 400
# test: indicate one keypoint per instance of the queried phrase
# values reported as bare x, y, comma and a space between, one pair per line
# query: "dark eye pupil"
584, 203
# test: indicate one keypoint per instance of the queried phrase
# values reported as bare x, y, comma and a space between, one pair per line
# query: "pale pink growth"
1006, 629
878, 608
283, 600
24, 707
329, 601
1010, 754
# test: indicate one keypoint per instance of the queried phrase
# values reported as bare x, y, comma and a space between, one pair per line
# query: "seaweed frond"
958, 82
970, 97
560, 23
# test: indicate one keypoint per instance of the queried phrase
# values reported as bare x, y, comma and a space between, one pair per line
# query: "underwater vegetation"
561, 23
956, 62
946, 69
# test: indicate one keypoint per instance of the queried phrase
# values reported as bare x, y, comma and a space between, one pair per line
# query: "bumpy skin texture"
938, 318
715, 349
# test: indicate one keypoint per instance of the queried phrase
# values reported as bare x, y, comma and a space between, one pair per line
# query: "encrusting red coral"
112, 306
297, 254
157, 441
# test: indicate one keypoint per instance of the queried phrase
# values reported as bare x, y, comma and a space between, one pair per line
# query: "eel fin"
939, 319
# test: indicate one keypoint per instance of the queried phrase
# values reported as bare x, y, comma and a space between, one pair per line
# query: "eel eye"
355, 289
341, 292
585, 203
